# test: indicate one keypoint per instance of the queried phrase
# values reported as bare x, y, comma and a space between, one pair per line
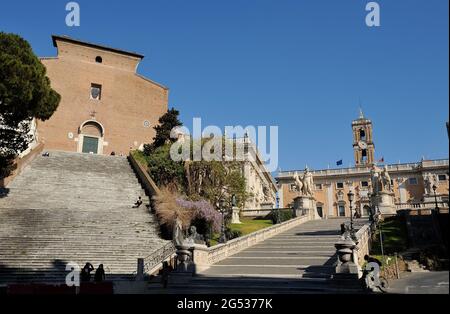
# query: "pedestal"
346, 272
385, 202
235, 216
305, 205
184, 259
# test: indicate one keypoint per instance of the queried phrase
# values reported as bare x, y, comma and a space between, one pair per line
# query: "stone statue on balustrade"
375, 177
194, 237
308, 183
298, 182
429, 180
304, 184
386, 180
177, 231
382, 190
304, 203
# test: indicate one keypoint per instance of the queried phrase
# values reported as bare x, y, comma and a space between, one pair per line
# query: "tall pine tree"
25, 94
167, 122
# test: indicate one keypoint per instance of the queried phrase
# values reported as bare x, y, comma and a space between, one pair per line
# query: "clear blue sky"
301, 65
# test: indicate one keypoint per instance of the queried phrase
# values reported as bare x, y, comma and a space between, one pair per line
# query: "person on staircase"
100, 274
86, 272
138, 203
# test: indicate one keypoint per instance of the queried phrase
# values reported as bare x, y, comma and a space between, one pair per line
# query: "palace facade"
106, 106
412, 182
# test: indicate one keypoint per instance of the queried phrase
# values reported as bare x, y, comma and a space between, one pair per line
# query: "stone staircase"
299, 260
72, 207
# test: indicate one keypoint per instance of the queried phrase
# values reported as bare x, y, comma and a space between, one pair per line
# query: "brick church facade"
106, 106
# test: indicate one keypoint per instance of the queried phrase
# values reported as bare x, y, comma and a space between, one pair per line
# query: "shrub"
279, 216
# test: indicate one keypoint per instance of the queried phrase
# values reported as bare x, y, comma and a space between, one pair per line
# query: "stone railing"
364, 236
147, 182
366, 170
205, 257
21, 163
255, 212
429, 205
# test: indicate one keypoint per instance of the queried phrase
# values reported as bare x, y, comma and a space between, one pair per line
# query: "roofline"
92, 45
151, 81
345, 168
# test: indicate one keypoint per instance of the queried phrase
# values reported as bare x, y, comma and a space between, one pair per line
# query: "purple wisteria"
204, 210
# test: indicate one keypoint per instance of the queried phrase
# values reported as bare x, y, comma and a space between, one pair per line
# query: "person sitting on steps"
138, 203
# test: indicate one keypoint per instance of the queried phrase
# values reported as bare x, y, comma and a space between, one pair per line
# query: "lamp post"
435, 197
351, 196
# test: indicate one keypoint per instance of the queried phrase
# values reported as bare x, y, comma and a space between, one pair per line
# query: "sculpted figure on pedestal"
386, 180
298, 183
375, 177
308, 183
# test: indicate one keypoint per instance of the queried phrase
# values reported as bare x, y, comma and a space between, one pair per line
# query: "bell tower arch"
363, 146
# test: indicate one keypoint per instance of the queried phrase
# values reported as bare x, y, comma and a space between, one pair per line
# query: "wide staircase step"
72, 207
299, 260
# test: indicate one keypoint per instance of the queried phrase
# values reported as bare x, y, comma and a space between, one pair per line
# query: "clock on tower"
363, 146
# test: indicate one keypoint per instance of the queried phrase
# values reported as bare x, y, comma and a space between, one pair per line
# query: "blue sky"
300, 64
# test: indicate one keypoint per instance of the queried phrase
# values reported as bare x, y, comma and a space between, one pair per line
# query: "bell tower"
363, 146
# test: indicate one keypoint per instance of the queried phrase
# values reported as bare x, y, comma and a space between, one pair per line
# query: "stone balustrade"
204, 257
21, 163
364, 236
366, 170
429, 205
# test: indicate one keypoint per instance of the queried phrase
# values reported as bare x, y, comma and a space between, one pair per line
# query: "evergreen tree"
25, 93
166, 123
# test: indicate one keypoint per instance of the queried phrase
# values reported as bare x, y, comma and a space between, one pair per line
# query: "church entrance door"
90, 145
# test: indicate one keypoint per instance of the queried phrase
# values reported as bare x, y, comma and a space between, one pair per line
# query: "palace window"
412, 181
98, 59
340, 185
364, 184
442, 177
318, 186
96, 91
342, 210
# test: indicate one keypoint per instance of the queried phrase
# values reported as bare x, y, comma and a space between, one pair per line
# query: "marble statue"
194, 237
298, 182
429, 181
375, 176
386, 180
307, 183
177, 233
266, 191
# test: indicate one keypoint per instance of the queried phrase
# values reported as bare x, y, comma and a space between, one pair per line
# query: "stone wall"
146, 181
21, 163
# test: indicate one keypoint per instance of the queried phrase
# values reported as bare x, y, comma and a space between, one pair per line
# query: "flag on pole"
339, 162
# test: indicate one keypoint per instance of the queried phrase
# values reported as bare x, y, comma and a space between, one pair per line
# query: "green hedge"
281, 215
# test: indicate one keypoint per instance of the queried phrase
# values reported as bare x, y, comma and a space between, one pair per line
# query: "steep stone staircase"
71, 207
299, 260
